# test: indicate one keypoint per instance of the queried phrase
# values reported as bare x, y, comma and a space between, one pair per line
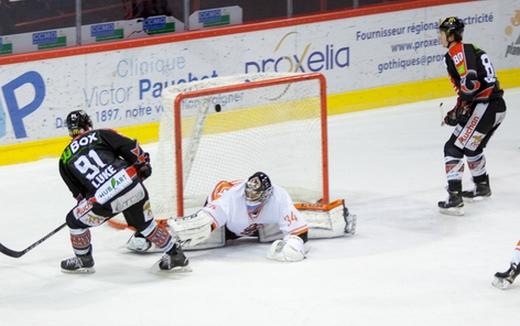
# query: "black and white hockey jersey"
94, 162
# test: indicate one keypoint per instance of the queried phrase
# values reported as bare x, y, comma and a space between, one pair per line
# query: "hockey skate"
173, 261
482, 190
505, 279
453, 205
81, 264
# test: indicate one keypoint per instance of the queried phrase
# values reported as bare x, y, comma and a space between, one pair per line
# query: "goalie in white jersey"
242, 208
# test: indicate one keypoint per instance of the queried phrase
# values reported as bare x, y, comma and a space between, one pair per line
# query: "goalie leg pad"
350, 222
138, 243
336, 222
290, 249
216, 239
192, 229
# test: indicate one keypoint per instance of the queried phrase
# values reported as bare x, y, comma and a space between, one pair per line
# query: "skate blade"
179, 269
501, 283
83, 270
476, 199
452, 211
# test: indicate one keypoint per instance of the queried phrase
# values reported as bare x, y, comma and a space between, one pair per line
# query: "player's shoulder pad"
108, 130
477, 49
112, 132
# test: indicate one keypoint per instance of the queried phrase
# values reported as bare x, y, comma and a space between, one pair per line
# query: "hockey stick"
86, 206
17, 254
442, 114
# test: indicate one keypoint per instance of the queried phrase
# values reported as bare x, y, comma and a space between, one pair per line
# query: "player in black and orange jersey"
478, 112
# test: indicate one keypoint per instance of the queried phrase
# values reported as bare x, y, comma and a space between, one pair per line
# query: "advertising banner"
95, 33
128, 29
35, 41
123, 88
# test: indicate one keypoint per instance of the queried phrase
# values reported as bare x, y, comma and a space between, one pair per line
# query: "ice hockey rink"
407, 265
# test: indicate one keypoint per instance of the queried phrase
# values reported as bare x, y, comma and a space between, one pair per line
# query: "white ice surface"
408, 265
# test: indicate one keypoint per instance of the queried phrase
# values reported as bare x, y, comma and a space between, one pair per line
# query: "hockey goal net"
231, 127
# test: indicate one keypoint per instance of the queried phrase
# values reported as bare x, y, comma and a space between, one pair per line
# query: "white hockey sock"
454, 167
80, 240
477, 164
160, 237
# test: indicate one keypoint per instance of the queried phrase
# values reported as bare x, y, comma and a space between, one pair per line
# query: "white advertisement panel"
224, 16
128, 29
122, 88
36, 41
95, 33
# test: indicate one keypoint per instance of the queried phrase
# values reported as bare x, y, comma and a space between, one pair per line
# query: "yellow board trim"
359, 100
256, 116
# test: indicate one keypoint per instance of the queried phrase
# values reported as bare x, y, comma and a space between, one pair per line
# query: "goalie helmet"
258, 188
452, 26
77, 122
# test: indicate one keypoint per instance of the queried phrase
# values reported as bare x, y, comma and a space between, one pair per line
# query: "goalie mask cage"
228, 128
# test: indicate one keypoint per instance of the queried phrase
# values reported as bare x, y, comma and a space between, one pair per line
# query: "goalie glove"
290, 249
192, 229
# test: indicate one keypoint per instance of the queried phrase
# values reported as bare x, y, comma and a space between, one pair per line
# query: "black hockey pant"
470, 139
133, 204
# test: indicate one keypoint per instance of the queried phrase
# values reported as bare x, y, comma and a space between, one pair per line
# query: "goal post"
228, 128
285, 81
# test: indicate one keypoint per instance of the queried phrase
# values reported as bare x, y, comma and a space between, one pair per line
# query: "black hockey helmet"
452, 26
77, 122
258, 188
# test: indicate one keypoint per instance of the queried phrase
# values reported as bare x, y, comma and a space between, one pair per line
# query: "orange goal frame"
240, 87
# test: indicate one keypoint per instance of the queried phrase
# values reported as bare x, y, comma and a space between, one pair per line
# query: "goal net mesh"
232, 127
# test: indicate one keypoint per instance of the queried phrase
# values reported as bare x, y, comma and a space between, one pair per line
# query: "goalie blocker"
197, 231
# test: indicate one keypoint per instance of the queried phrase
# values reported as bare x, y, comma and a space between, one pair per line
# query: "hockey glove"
144, 170
451, 117
464, 112
459, 114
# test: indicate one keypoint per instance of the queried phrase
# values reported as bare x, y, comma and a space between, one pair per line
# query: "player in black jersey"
479, 111
104, 171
